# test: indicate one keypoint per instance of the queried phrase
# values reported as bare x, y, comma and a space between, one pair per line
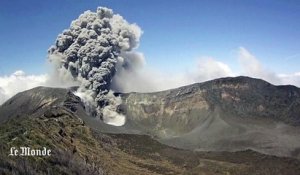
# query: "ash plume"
91, 51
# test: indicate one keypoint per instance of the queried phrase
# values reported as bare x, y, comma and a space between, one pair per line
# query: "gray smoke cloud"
90, 53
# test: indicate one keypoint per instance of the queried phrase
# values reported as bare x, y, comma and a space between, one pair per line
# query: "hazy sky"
176, 32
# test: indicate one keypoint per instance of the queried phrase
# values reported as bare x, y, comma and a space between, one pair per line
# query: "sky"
258, 38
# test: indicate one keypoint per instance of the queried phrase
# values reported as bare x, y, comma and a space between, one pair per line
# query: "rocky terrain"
225, 126
226, 114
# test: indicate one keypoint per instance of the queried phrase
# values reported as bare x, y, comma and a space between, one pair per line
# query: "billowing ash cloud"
91, 50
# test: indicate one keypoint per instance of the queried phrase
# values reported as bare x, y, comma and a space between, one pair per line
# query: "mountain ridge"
196, 129
227, 114
224, 114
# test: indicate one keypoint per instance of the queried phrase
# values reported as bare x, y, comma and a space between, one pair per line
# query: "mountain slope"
224, 114
81, 148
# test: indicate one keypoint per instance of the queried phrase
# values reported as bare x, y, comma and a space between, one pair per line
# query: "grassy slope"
79, 150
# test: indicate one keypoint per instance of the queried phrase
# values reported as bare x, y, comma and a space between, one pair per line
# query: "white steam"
111, 116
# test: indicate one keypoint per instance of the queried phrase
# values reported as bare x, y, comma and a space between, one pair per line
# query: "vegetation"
77, 149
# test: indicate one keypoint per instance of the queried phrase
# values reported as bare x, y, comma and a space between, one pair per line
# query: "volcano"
230, 125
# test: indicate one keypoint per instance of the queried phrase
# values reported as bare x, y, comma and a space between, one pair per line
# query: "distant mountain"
248, 117
224, 114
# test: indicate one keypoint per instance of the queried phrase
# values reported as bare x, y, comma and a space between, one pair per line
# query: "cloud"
90, 51
253, 68
148, 79
292, 79
142, 78
18, 82
208, 68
